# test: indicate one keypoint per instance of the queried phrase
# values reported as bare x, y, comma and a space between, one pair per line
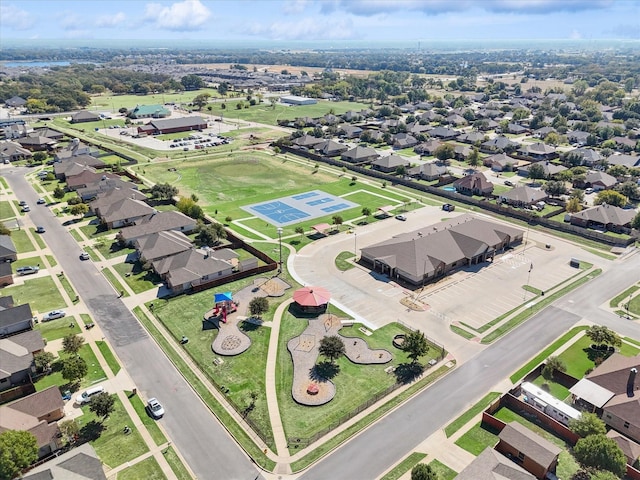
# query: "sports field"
228, 184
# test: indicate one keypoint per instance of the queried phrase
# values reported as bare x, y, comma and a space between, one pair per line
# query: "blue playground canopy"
222, 297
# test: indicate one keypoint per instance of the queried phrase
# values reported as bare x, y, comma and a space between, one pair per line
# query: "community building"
173, 125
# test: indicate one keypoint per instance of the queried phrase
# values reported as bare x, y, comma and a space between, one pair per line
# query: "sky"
334, 22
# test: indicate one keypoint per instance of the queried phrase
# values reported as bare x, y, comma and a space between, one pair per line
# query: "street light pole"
280, 245
355, 246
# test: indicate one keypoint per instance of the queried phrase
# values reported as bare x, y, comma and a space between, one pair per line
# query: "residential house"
492, 465
75, 148
444, 133
624, 143
86, 178
461, 152
8, 251
123, 212
523, 196
37, 414
75, 165
157, 246
16, 130
516, 129
549, 169
350, 131
155, 223
330, 148
80, 463
427, 148
599, 181
630, 448
475, 184
173, 125
307, 141
537, 151
543, 132
149, 111
456, 120
6, 274
14, 319
428, 171
500, 162
433, 251
535, 454
37, 144
606, 217
499, 144
623, 159
49, 133
104, 185
180, 272
84, 116
389, 163
16, 358
15, 102
404, 140
472, 138
578, 137
583, 156
360, 155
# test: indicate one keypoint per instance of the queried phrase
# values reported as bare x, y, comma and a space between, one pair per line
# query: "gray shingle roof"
607, 214
492, 465
538, 449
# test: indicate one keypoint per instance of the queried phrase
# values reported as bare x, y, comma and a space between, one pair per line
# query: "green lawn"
477, 439
114, 103
176, 465
342, 261
41, 293
112, 446
149, 469
24, 262
115, 282
76, 236
111, 249
94, 375
466, 417
555, 389
21, 241
579, 357
151, 424
623, 296
57, 328
5, 210
39, 240
444, 472
138, 280
51, 260
404, 466
108, 356
67, 287
95, 230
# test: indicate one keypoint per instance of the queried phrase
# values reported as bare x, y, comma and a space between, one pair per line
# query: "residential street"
208, 448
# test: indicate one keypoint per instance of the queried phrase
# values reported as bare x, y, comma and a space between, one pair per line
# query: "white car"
155, 408
84, 256
53, 314
85, 397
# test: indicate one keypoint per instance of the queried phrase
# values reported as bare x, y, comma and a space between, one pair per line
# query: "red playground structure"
223, 305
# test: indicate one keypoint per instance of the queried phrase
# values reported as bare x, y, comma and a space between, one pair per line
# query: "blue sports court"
286, 211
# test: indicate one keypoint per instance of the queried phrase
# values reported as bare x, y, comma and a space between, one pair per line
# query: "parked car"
155, 408
508, 183
41, 201
447, 207
26, 208
27, 270
85, 397
402, 218
84, 256
40, 229
588, 190
22, 203
53, 314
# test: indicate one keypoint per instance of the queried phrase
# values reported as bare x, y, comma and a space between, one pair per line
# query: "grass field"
138, 280
149, 469
57, 328
579, 357
113, 103
443, 472
41, 293
21, 241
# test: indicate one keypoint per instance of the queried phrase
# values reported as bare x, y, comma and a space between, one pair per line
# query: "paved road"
371, 453
205, 444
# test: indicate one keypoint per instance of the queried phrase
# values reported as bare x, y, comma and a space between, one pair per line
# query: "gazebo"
312, 299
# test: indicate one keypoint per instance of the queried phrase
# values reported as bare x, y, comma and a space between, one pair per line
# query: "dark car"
447, 207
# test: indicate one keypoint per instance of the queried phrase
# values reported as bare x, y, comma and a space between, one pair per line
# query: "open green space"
634, 305
51, 260
207, 397
139, 280
149, 469
116, 102
57, 328
466, 417
580, 357
355, 384
4, 184
342, 261
111, 444
21, 241
67, 287
76, 236
115, 282
176, 465
152, 426
615, 301
404, 466
86, 318
95, 373
443, 472
108, 356
41, 293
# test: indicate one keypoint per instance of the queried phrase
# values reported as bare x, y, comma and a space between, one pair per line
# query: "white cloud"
111, 20
434, 7
185, 15
15, 18
575, 35
306, 29
296, 6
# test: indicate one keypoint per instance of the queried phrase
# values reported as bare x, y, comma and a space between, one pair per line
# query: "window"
626, 424
521, 455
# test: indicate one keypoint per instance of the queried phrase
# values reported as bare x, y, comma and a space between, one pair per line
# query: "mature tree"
39, 157
69, 430
192, 82
581, 475
445, 152
611, 197
555, 188
536, 171
74, 368
603, 475
629, 189
299, 231
223, 88
573, 205
102, 404
551, 365
58, 192
4, 230
79, 209
602, 452
601, 335
72, 343
211, 234
163, 191
258, 306
331, 347
18, 450
366, 211
587, 424
422, 471
474, 157
187, 206
43, 360
635, 223
201, 100
401, 170
337, 220
415, 343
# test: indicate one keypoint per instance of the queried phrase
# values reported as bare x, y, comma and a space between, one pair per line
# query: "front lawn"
111, 249
579, 357
94, 373
21, 241
138, 280
41, 293
444, 472
477, 439
57, 328
149, 469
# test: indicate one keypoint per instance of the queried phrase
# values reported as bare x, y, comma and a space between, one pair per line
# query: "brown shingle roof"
492, 465
39, 404
538, 449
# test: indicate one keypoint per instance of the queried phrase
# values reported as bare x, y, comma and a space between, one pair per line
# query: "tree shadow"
294, 242
92, 430
324, 371
597, 355
407, 372
249, 326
